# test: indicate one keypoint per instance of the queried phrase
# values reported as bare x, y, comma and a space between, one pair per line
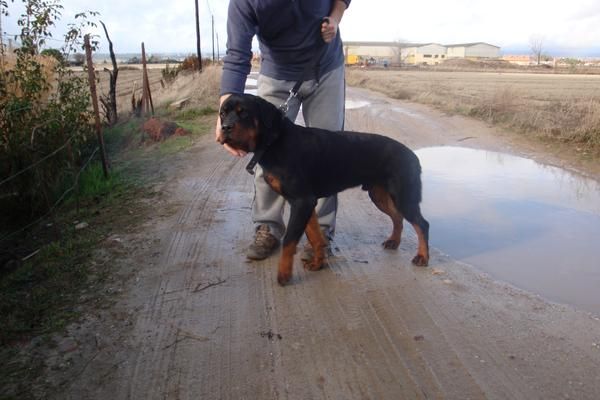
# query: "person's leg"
267, 209
323, 107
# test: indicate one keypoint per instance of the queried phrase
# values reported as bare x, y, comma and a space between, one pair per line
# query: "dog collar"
259, 153
255, 159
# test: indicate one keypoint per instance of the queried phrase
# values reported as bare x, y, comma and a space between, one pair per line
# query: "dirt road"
196, 321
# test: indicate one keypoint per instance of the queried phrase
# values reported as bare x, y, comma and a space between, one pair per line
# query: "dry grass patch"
563, 108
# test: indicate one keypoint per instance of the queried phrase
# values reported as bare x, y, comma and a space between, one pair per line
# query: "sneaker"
308, 252
264, 244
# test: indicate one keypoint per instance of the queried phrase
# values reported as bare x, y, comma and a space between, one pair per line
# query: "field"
564, 108
201, 89
128, 77
557, 108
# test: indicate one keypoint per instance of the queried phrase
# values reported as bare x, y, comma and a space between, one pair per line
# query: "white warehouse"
472, 50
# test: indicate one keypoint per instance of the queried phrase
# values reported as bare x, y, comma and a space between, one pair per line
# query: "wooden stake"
92, 81
146, 95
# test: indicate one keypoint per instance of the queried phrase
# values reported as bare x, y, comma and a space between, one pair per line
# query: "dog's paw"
283, 278
390, 244
313, 264
420, 261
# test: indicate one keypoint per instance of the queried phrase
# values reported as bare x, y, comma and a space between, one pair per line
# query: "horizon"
567, 29
519, 51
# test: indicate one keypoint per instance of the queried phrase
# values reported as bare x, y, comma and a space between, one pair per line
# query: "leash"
310, 66
285, 106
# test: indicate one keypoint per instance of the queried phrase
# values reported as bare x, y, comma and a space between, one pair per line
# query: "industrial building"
415, 53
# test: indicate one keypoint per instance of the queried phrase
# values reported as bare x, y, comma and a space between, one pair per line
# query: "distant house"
473, 50
362, 52
518, 59
415, 53
429, 53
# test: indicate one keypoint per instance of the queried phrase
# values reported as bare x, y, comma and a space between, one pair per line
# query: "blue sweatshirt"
288, 33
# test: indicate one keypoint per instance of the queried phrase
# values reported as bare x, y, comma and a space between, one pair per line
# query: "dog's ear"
269, 114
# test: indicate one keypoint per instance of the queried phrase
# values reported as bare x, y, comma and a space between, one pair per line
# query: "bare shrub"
497, 108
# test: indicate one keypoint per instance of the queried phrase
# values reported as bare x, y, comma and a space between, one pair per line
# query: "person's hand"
231, 150
329, 28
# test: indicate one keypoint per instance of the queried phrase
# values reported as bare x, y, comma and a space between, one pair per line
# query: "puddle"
535, 226
352, 104
407, 112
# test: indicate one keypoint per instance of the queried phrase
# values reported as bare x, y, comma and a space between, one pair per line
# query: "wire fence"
61, 197
66, 146
35, 164
40, 163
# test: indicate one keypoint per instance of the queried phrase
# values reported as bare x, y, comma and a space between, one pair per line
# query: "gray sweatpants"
322, 107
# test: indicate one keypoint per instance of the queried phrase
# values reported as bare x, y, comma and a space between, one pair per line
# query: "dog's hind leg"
413, 215
383, 200
317, 242
300, 212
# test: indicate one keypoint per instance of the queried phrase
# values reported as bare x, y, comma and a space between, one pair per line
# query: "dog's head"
247, 122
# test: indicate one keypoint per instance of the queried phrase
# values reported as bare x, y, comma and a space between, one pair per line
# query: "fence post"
146, 94
92, 81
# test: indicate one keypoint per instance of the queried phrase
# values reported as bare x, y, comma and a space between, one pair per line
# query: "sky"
569, 27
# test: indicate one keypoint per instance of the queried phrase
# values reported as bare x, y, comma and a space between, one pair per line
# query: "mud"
202, 323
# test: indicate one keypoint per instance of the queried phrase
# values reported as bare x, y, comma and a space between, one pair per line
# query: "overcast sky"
169, 26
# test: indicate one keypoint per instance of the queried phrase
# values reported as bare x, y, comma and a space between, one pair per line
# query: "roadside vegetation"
71, 259
561, 109
61, 215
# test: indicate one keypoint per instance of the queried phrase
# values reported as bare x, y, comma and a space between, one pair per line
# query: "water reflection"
535, 226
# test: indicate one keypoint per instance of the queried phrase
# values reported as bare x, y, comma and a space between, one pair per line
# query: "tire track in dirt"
171, 307
393, 302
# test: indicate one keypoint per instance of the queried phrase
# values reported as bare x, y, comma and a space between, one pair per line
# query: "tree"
78, 59
536, 44
400, 52
110, 102
44, 114
57, 54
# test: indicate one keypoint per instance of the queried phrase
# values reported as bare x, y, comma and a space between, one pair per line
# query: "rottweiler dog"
304, 164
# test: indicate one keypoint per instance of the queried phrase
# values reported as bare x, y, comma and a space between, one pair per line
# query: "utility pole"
198, 38
218, 51
212, 19
1, 33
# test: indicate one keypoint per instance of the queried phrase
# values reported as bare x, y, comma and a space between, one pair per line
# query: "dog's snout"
226, 126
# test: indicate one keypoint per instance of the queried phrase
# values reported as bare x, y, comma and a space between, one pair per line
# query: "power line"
18, 35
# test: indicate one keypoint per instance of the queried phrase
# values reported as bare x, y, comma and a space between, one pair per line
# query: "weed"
193, 113
92, 182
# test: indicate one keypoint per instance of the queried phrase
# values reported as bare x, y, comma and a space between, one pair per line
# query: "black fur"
312, 163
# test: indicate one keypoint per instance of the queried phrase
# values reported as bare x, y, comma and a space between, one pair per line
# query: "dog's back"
335, 161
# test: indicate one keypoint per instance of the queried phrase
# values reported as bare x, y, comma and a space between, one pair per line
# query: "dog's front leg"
317, 242
300, 212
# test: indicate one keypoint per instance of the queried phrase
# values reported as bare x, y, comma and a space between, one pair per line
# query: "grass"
37, 296
552, 108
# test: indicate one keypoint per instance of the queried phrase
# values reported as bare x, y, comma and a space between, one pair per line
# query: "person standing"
290, 34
